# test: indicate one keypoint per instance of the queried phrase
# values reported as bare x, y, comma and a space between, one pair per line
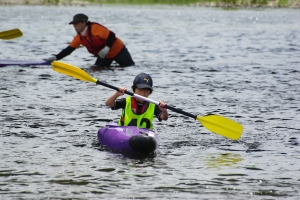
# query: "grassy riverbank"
208, 3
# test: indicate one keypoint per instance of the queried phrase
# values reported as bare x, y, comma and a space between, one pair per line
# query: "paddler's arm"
67, 51
164, 115
72, 46
111, 100
111, 39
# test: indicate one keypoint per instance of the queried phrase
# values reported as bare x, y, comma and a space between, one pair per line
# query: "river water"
240, 64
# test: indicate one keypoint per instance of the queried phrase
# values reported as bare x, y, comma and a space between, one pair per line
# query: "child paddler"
137, 112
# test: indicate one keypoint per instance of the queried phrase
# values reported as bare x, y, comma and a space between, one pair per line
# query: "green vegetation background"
212, 3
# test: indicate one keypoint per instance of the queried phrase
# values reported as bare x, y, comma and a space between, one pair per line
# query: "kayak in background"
7, 62
128, 139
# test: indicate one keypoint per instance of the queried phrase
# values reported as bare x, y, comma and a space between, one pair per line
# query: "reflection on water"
241, 64
221, 160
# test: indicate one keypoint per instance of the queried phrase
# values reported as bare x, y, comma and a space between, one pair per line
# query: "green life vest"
130, 117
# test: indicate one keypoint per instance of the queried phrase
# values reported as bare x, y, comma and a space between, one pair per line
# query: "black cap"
79, 18
143, 81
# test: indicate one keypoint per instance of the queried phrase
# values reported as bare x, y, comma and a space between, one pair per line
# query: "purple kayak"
128, 138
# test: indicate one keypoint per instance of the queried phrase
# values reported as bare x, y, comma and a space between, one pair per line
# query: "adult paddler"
99, 41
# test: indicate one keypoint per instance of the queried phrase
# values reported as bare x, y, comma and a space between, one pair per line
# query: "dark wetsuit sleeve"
157, 112
111, 38
119, 103
65, 52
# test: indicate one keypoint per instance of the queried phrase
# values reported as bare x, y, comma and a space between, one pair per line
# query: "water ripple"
240, 64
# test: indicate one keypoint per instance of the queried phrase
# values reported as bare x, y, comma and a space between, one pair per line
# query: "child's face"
145, 92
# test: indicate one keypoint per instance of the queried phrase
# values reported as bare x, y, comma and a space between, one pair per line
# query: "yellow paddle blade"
10, 34
222, 126
73, 71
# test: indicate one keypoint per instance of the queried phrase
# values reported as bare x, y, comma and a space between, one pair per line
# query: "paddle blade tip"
72, 71
11, 34
222, 126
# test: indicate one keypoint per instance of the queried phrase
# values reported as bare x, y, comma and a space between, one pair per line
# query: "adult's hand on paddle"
104, 52
51, 59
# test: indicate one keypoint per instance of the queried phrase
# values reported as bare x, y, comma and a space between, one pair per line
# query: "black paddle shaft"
132, 94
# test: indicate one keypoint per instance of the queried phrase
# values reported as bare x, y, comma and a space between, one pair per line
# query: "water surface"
243, 65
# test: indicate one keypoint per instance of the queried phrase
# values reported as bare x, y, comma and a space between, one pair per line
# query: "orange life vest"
93, 44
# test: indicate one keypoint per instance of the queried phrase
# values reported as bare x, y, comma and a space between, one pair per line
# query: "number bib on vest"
141, 120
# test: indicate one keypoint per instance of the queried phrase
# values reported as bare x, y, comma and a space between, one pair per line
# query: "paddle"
215, 123
10, 34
